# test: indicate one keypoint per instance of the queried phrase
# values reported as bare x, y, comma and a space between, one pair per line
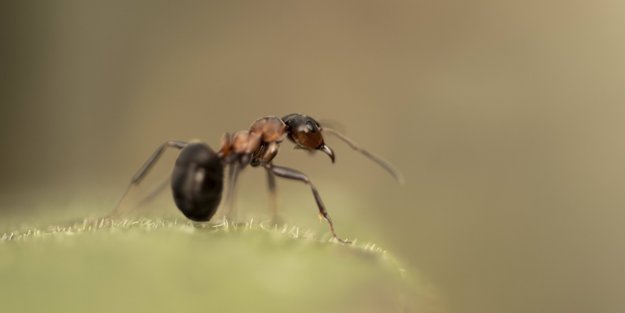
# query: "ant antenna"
380, 161
334, 124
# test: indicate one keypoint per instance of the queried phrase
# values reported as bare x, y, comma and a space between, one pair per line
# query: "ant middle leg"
273, 199
230, 206
293, 174
144, 169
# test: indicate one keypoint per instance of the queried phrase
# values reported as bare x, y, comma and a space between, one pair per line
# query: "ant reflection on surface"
198, 176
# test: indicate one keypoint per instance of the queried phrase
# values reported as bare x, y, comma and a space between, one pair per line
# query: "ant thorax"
267, 131
271, 128
244, 142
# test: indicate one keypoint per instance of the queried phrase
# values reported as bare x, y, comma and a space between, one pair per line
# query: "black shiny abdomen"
197, 182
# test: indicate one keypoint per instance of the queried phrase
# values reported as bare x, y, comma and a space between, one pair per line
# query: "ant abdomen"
197, 182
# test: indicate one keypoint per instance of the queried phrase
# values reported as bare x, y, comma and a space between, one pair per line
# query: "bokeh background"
506, 117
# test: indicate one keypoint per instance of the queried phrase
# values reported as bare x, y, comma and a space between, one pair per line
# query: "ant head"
305, 132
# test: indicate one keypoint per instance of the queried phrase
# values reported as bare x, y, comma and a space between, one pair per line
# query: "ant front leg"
265, 154
145, 168
290, 173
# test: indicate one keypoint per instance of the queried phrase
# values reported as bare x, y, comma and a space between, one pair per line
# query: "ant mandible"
197, 178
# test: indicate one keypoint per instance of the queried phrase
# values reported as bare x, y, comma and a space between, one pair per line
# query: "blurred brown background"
507, 119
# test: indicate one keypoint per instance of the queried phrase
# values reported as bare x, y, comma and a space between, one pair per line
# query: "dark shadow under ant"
198, 175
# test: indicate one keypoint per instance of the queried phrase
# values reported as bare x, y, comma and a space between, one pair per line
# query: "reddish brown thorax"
244, 142
271, 128
264, 131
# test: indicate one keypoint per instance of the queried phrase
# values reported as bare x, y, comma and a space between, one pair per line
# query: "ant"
198, 175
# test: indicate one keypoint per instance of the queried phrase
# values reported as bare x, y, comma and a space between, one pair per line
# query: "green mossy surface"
148, 265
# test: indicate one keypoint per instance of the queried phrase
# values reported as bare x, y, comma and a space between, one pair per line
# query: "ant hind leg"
144, 170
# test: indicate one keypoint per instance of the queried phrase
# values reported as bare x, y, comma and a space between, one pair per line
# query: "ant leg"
136, 179
145, 168
386, 165
162, 186
273, 200
290, 173
233, 175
